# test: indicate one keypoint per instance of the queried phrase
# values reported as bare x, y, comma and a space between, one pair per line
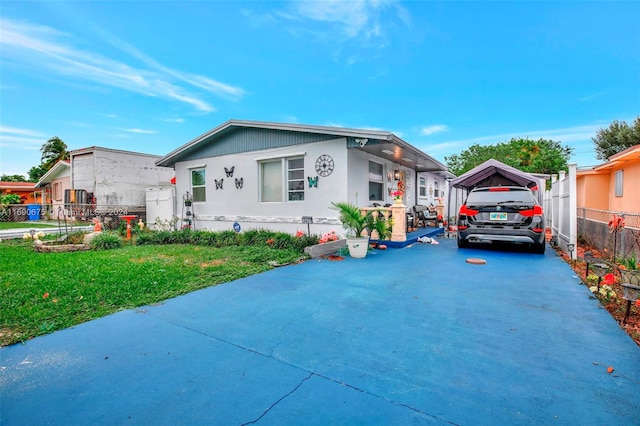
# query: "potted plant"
356, 222
630, 277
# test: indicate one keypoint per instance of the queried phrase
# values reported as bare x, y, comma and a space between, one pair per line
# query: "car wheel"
462, 243
539, 248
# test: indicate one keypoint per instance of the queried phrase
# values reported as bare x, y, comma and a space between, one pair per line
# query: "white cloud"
140, 131
174, 120
436, 128
24, 139
15, 130
53, 51
365, 19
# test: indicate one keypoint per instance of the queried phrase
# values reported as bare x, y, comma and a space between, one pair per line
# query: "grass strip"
24, 225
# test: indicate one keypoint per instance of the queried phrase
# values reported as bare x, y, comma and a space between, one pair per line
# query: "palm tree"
53, 151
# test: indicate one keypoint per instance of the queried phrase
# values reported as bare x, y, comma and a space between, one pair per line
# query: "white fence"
560, 203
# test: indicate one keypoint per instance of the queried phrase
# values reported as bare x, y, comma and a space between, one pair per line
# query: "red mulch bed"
616, 306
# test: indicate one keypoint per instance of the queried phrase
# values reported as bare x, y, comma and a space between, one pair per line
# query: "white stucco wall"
225, 206
359, 179
430, 198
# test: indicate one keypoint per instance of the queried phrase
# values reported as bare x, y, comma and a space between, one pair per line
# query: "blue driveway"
405, 336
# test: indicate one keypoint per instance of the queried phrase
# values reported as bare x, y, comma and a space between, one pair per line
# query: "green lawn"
44, 292
25, 225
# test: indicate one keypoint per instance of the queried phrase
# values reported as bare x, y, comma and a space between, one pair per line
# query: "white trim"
279, 155
199, 166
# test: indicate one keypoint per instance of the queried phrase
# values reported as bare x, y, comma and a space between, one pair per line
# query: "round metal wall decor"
324, 165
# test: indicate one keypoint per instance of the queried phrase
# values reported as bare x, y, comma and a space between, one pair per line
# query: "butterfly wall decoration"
229, 172
239, 183
219, 183
313, 182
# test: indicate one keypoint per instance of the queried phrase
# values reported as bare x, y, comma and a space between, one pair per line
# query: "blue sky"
150, 76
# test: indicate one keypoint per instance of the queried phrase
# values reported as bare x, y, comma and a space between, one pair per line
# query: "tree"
617, 137
36, 172
53, 151
12, 178
541, 156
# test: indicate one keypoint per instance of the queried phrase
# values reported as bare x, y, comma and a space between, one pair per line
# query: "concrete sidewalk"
405, 336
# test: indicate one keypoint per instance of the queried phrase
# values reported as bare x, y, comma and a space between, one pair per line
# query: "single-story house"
611, 186
53, 184
25, 190
249, 174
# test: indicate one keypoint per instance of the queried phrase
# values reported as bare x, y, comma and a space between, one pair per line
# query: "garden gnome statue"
97, 227
140, 224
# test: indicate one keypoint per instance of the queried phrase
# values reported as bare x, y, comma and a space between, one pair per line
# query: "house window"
57, 191
619, 176
376, 181
198, 185
271, 181
295, 179
422, 186
436, 190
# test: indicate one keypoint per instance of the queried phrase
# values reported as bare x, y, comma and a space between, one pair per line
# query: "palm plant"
355, 222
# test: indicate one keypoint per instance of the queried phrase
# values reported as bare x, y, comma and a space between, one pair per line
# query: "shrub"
106, 241
253, 237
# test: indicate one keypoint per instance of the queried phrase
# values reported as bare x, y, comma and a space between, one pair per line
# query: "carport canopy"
493, 172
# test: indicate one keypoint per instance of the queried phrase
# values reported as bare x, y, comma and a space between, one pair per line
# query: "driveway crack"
279, 400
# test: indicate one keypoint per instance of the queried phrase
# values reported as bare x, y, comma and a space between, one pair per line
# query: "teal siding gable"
252, 139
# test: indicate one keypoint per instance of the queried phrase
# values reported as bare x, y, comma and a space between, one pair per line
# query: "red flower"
609, 279
638, 303
44, 296
270, 241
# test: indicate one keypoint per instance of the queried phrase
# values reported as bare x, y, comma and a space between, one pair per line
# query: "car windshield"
503, 196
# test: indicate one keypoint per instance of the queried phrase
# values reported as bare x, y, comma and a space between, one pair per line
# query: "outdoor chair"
423, 214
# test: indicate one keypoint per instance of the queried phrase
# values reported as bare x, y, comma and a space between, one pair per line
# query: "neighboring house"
26, 190
112, 179
53, 184
247, 174
611, 186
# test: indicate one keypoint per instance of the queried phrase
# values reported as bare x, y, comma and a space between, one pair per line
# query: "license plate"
497, 216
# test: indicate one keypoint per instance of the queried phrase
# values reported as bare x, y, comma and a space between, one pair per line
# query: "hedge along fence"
594, 227
252, 237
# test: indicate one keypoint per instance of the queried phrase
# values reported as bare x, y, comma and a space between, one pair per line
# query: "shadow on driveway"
413, 335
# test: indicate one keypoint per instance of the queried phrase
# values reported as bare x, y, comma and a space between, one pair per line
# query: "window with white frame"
436, 189
619, 177
295, 179
198, 185
272, 183
376, 181
422, 186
